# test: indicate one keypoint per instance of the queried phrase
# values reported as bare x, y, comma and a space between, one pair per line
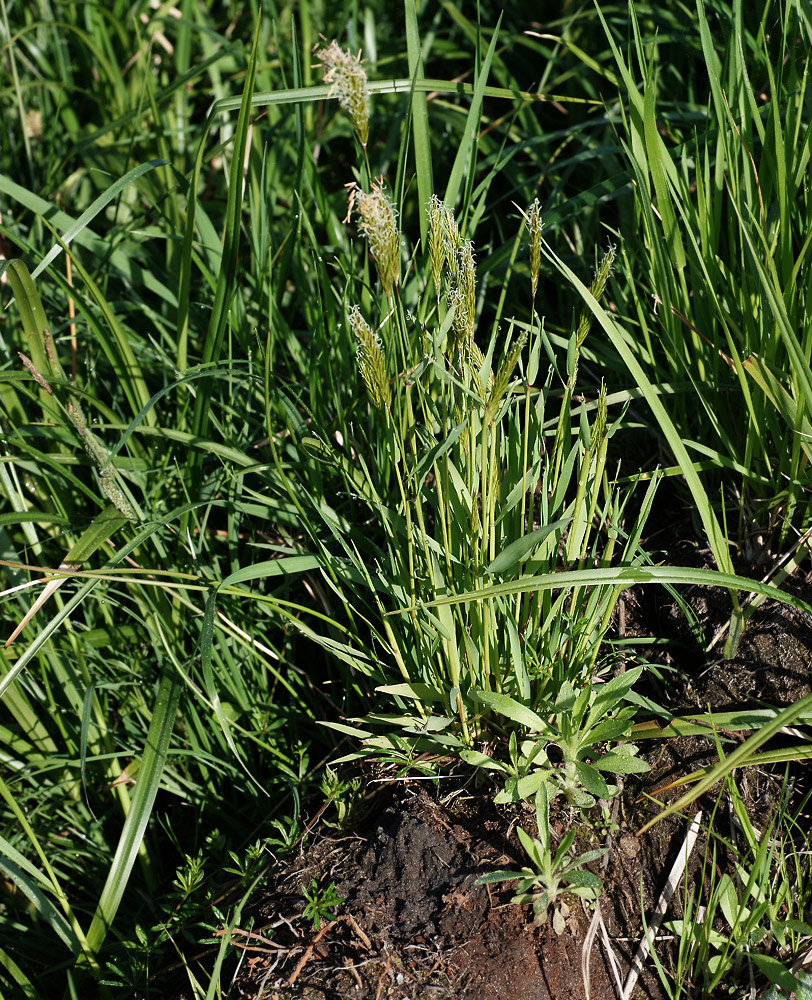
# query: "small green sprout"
552, 874
321, 904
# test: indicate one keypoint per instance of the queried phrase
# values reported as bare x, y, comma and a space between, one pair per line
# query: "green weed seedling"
552, 874
578, 725
286, 836
320, 903
344, 795
247, 865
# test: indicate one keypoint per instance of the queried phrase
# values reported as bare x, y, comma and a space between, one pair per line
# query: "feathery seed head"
379, 225
462, 295
451, 241
456, 334
444, 239
370, 360
348, 82
467, 280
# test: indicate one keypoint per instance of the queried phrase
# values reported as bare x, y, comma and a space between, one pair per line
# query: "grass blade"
228, 265
461, 160
420, 119
149, 780
736, 758
621, 576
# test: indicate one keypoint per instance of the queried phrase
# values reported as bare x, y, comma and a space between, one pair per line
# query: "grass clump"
254, 477
714, 287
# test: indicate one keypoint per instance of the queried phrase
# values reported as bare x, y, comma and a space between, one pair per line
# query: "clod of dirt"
414, 923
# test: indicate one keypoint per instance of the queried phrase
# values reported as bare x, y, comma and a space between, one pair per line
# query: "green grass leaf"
153, 761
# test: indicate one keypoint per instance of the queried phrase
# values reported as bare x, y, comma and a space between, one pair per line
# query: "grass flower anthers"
348, 83
437, 253
444, 241
463, 296
370, 360
379, 225
448, 250
451, 241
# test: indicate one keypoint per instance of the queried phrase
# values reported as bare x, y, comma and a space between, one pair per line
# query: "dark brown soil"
413, 923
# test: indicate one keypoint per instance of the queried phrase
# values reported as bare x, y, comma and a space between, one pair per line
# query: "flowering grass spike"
370, 360
348, 82
379, 225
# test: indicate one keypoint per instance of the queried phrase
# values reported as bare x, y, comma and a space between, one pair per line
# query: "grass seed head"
598, 431
505, 373
533, 218
39, 378
451, 241
370, 360
478, 361
597, 289
348, 82
603, 272
379, 225
462, 295
437, 253
107, 480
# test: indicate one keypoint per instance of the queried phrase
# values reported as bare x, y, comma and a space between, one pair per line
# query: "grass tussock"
269, 459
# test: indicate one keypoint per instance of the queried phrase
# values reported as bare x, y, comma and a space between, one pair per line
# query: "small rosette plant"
553, 873
578, 725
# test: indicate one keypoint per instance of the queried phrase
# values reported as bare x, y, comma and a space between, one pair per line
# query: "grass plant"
752, 922
716, 288
263, 466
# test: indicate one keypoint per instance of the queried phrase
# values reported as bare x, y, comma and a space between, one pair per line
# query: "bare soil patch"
414, 923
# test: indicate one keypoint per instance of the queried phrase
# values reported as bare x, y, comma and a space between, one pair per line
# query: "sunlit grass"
229, 532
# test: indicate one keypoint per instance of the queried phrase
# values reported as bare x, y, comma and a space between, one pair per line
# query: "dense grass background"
173, 177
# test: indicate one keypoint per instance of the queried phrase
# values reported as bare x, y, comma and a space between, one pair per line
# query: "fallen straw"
647, 940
